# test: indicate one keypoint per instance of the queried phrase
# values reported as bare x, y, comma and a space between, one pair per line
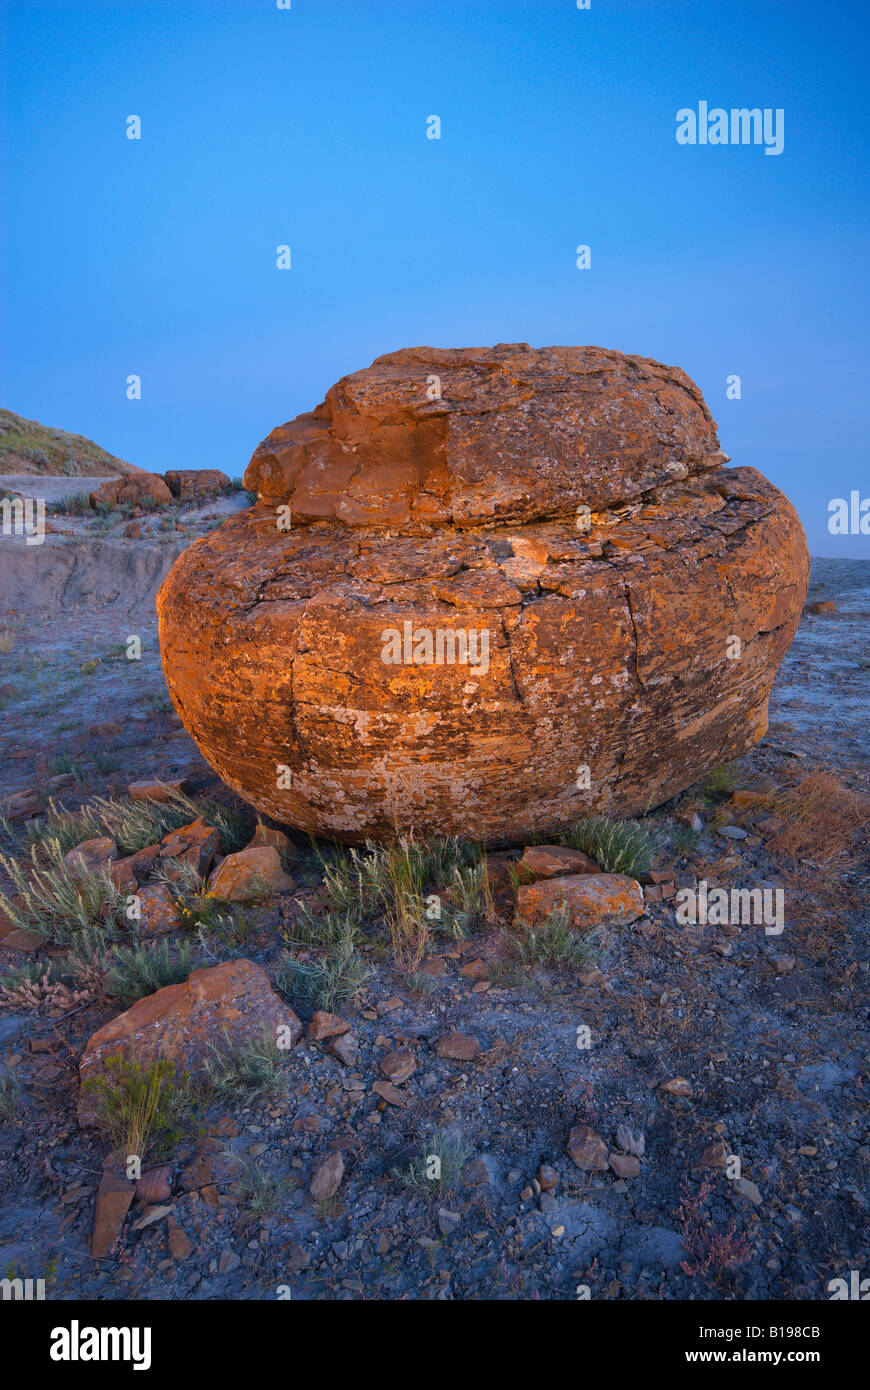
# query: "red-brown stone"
217, 1008
608, 642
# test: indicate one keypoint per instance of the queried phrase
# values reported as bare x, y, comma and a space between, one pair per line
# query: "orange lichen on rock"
517, 586
588, 900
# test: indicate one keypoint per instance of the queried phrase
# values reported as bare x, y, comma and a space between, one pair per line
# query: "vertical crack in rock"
510, 658
635, 648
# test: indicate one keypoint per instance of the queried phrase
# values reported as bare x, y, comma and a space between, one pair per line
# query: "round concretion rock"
485, 591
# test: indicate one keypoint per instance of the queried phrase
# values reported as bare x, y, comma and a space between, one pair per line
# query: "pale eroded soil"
778, 1061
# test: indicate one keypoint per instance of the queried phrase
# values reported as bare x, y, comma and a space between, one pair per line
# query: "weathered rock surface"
158, 910
459, 1047
154, 789
327, 1176
554, 861
134, 489
193, 845
23, 805
195, 484
587, 1149
155, 1184
91, 856
219, 1007
398, 1065
134, 868
326, 1025
625, 1165
248, 875
113, 1202
265, 835
590, 900
305, 662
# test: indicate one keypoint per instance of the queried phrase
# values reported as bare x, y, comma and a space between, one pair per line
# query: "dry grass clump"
820, 818
712, 1251
39, 987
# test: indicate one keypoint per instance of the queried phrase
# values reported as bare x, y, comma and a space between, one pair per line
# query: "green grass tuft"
260, 1191
257, 1068
618, 846
134, 972
56, 904
439, 1165
555, 942
140, 1109
335, 978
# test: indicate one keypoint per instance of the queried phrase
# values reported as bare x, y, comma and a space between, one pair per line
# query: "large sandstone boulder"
517, 586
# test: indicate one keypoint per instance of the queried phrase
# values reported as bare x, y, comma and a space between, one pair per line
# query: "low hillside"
28, 447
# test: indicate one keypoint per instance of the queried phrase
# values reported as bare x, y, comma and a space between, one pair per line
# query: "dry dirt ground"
769, 1030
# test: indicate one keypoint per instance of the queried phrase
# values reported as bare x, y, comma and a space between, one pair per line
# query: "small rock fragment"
547, 1177
587, 1149
179, 1245
154, 789
630, 1140
475, 1173
625, 1165
591, 900
346, 1048
113, 1201
749, 1190
448, 1220
91, 856
249, 875
195, 845
475, 970
265, 836
327, 1176
733, 832
155, 1184
459, 1047
326, 1025
387, 1006
159, 910
783, 964
677, 1086
390, 1093
398, 1065
554, 861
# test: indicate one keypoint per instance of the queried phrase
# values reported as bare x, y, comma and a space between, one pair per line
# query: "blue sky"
307, 127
